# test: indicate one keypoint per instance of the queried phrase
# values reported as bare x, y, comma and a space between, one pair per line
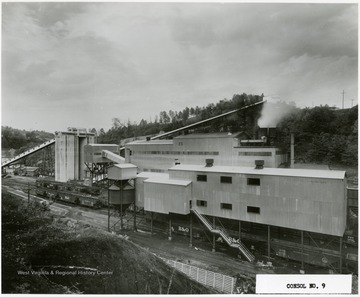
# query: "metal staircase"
223, 233
28, 152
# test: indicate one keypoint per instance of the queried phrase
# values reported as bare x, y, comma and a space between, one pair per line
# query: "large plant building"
228, 185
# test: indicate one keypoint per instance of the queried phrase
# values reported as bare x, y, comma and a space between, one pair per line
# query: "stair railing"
225, 235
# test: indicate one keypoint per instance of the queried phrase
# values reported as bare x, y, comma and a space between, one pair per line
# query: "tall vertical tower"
69, 154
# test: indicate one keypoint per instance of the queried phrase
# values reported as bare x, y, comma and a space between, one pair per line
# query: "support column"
340, 256
151, 223
170, 238
191, 231
268, 241
121, 205
135, 214
239, 230
213, 247
302, 250
108, 186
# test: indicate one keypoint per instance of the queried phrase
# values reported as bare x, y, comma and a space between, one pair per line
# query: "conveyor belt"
28, 152
113, 157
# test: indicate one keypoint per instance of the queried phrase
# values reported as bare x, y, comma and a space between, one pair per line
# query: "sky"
82, 64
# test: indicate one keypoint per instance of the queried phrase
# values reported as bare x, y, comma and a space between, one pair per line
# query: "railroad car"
71, 193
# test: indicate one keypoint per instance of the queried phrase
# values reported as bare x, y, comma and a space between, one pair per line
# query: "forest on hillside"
323, 134
12, 138
168, 121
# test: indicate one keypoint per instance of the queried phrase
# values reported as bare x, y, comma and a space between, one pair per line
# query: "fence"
218, 281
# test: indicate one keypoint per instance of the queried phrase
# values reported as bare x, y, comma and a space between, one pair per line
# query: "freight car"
72, 193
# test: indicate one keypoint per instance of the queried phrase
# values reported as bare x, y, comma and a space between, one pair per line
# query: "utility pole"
343, 96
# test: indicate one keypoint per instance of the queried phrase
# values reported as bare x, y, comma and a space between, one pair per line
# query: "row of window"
228, 180
267, 154
153, 170
173, 153
228, 206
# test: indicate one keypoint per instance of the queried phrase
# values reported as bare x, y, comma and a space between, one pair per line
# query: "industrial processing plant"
227, 187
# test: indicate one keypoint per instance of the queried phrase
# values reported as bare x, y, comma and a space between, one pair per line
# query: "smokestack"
209, 162
292, 154
259, 164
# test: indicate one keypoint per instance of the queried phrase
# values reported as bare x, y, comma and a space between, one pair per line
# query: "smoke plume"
273, 112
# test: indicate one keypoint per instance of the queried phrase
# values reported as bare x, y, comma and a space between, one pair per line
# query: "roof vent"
209, 162
259, 164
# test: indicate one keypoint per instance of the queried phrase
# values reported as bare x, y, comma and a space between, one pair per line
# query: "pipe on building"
292, 151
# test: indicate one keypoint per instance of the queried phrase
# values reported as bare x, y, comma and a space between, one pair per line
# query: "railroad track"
97, 218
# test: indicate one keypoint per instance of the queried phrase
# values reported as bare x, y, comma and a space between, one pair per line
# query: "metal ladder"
223, 233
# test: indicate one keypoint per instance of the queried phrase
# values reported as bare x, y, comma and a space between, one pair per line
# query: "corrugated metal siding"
93, 151
315, 205
224, 151
166, 198
118, 172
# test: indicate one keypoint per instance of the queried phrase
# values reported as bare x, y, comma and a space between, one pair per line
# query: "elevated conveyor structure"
112, 157
28, 152
222, 232
205, 121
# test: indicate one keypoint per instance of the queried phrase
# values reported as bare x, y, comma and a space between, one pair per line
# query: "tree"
172, 115
93, 130
185, 114
164, 118
318, 120
116, 123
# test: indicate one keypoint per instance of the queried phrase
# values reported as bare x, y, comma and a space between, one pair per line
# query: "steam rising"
272, 113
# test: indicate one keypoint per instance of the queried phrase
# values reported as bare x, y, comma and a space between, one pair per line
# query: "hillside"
42, 254
171, 120
323, 135
12, 138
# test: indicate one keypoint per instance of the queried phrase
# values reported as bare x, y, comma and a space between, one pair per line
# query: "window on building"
226, 179
255, 154
201, 203
226, 206
253, 181
253, 209
201, 177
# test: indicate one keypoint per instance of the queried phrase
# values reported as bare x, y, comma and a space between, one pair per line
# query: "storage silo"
69, 154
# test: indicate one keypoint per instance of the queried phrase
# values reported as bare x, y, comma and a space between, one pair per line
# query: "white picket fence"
218, 281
